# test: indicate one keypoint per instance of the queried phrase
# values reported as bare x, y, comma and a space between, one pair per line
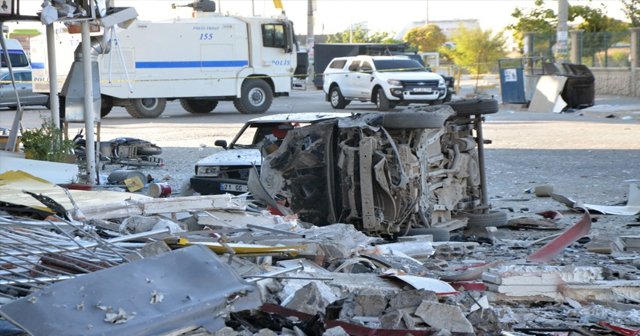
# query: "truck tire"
106, 104
491, 218
198, 106
382, 102
413, 120
146, 107
467, 107
256, 97
336, 99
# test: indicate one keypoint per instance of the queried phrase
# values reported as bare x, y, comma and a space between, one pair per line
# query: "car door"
25, 88
7, 93
362, 82
348, 89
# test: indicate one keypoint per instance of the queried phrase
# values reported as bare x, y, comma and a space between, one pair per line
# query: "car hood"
232, 157
417, 75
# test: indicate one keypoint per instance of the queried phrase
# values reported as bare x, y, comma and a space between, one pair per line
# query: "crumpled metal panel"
186, 287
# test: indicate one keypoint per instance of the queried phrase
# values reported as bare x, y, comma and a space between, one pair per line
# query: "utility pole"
562, 34
311, 6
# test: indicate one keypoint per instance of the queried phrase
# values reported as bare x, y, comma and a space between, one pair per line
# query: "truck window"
337, 64
398, 65
273, 36
365, 67
17, 59
354, 66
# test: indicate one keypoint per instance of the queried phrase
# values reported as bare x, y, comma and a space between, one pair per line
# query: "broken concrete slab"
529, 281
310, 299
85, 305
444, 316
410, 298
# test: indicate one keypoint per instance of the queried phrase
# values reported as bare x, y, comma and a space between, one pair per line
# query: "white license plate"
233, 187
428, 90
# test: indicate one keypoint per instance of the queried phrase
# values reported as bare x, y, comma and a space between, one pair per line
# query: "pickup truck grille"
410, 84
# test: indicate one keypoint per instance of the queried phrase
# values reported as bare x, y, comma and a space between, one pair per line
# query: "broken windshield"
398, 65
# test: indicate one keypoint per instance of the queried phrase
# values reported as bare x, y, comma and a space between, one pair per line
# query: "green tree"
426, 38
359, 33
631, 9
537, 20
595, 20
475, 49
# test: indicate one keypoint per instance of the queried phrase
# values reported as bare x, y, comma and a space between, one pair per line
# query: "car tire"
146, 107
484, 220
413, 120
382, 102
106, 104
149, 150
467, 107
198, 106
336, 99
438, 234
256, 97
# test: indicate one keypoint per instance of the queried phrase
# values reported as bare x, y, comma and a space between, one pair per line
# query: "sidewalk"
619, 107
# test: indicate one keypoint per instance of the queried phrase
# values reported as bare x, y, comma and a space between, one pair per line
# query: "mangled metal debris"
196, 289
384, 173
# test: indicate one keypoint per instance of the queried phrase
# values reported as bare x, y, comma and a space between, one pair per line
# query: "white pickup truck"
386, 81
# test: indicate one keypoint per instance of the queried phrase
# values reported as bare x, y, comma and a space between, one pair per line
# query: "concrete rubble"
97, 262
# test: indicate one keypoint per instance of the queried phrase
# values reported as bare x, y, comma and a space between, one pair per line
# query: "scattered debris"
630, 209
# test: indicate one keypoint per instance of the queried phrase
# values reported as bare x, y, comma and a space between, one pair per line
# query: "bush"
46, 143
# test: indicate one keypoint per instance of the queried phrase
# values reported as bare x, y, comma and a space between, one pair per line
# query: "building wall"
615, 81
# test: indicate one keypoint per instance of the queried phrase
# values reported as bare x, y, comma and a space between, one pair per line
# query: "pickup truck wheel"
198, 106
106, 104
382, 102
146, 107
413, 120
467, 107
256, 97
337, 99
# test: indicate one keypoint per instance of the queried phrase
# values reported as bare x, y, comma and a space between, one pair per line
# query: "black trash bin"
579, 90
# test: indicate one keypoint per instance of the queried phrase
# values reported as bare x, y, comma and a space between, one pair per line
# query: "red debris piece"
620, 330
554, 247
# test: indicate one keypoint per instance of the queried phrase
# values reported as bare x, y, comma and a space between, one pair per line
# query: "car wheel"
146, 107
413, 120
198, 106
467, 107
106, 104
337, 99
382, 102
483, 220
256, 97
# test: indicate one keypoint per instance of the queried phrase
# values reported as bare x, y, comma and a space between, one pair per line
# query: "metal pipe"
89, 115
13, 134
54, 103
278, 272
484, 201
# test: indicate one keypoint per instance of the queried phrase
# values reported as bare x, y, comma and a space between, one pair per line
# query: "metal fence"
600, 49
606, 49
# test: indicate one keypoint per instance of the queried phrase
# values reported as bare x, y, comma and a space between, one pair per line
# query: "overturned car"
383, 172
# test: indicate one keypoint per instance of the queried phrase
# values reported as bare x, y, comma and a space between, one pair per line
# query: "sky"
333, 16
